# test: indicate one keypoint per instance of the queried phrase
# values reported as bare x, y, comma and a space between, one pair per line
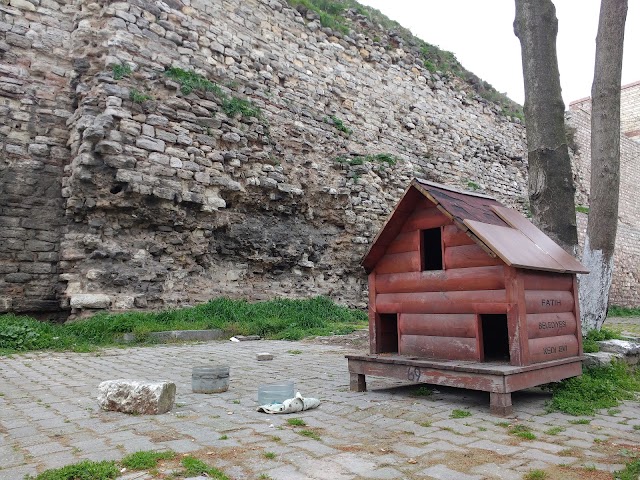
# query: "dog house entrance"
495, 338
388, 333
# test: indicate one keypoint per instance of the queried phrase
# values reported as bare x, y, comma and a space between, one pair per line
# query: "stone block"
132, 396
599, 359
151, 144
23, 5
628, 351
261, 357
5, 304
90, 300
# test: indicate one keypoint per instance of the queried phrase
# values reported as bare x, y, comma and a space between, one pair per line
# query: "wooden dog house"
468, 293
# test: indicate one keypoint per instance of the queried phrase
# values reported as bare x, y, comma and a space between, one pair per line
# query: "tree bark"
605, 164
551, 187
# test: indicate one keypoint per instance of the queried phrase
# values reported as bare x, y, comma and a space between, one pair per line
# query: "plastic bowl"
275, 392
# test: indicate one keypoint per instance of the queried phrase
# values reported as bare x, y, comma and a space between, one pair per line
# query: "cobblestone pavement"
49, 418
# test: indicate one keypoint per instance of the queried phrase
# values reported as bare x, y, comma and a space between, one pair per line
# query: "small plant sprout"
296, 422
269, 455
522, 431
457, 413
120, 71
535, 475
554, 430
138, 97
309, 434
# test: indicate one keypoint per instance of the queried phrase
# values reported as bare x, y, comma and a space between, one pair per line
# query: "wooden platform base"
499, 379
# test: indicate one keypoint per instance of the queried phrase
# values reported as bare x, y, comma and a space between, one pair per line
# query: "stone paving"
49, 418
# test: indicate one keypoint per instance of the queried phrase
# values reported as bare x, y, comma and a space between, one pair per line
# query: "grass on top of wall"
616, 311
275, 319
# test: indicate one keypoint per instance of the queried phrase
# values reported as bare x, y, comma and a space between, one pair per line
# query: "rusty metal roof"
501, 231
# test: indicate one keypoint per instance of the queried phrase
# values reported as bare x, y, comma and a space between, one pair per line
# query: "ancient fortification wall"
35, 102
121, 189
626, 273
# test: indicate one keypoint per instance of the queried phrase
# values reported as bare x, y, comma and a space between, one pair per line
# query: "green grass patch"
283, 319
631, 471
294, 352
582, 209
616, 311
309, 434
535, 475
269, 455
339, 125
191, 81
460, 413
120, 71
580, 421
591, 339
554, 430
423, 391
234, 105
597, 388
330, 12
85, 470
296, 422
145, 460
194, 466
522, 431
137, 96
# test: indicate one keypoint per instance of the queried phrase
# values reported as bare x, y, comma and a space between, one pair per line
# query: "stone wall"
35, 101
175, 199
629, 110
626, 273
170, 197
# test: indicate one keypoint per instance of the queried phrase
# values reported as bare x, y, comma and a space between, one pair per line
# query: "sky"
480, 34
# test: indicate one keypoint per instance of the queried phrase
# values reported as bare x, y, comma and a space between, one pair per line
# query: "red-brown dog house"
468, 293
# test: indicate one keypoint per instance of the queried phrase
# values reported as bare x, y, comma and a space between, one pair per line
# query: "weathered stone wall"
626, 273
173, 201
35, 101
171, 197
629, 109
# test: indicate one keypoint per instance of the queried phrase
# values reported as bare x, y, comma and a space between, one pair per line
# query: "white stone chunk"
132, 396
90, 300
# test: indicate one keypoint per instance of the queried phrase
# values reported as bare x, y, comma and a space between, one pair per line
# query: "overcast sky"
480, 34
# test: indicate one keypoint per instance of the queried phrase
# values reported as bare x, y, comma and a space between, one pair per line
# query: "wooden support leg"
500, 404
357, 382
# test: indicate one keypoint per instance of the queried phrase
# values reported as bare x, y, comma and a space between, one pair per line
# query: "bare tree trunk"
551, 188
605, 165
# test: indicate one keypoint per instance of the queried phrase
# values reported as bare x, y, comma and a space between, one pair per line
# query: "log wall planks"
425, 219
548, 301
452, 236
445, 325
399, 262
541, 325
466, 256
454, 348
546, 281
437, 302
475, 278
552, 348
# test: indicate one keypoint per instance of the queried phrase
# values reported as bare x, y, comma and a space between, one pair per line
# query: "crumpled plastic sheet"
291, 405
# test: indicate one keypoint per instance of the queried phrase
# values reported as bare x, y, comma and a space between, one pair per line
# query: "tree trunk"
605, 165
551, 188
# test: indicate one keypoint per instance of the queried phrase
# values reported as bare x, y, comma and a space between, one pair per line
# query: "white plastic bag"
291, 405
